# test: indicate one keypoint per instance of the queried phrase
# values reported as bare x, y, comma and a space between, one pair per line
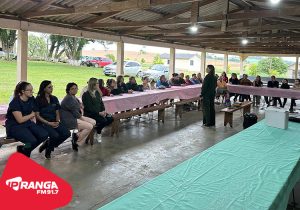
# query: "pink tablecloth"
264, 91
141, 99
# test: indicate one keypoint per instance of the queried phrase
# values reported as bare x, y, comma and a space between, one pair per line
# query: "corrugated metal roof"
17, 8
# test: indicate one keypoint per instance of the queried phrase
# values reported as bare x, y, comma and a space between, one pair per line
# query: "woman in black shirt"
20, 120
284, 85
48, 117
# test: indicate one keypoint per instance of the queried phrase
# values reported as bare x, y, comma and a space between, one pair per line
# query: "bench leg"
114, 127
178, 111
246, 109
161, 115
228, 118
91, 136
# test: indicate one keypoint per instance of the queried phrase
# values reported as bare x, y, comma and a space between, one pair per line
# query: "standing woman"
19, 120
208, 93
71, 116
48, 116
94, 107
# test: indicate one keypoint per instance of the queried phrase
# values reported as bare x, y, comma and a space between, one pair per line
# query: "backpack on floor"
249, 120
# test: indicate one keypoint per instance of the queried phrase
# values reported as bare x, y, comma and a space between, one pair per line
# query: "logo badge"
27, 185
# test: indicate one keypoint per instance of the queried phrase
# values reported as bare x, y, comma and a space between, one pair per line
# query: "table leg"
247, 109
178, 110
115, 127
161, 115
228, 118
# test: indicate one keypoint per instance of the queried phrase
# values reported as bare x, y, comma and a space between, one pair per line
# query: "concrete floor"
144, 150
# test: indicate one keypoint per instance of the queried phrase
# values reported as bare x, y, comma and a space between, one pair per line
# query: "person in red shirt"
188, 81
104, 90
224, 76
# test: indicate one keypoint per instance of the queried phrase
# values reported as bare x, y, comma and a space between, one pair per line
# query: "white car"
156, 71
131, 68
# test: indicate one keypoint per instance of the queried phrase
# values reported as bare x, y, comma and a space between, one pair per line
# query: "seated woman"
152, 84
224, 76
194, 79
122, 86
234, 81
48, 117
105, 91
71, 116
257, 83
132, 85
221, 88
174, 81
246, 82
284, 85
94, 108
112, 87
296, 86
199, 77
19, 120
188, 81
162, 82
146, 85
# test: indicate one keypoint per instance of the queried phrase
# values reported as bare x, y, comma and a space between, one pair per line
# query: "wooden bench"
124, 115
228, 112
5, 140
179, 105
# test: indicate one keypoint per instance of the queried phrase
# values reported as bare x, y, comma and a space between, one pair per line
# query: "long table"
140, 99
254, 169
264, 91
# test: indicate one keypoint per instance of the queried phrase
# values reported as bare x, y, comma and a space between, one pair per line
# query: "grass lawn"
60, 74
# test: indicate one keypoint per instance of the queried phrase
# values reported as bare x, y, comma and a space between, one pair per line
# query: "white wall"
183, 65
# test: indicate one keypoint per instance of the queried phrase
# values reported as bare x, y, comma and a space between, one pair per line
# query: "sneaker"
99, 137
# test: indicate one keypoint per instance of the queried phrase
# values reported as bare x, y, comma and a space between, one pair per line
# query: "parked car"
4, 54
131, 68
97, 62
156, 71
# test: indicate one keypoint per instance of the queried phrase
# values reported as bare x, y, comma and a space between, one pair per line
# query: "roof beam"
231, 16
225, 12
109, 7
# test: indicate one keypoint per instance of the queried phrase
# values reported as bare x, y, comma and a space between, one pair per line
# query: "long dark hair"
21, 86
69, 85
119, 78
41, 93
101, 83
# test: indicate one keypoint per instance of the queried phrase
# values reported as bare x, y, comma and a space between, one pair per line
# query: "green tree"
37, 46
252, 70
57, 46
8, 39
111, 57
268, 65
73, 47
157, 60
143, 60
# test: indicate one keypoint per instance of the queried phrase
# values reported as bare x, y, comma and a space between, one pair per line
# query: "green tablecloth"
254, 169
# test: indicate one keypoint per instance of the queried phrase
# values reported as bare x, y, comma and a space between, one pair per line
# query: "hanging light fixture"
194, 29
245, 41
275, 1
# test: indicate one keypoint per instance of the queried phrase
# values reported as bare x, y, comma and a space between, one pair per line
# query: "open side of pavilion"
217, 26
